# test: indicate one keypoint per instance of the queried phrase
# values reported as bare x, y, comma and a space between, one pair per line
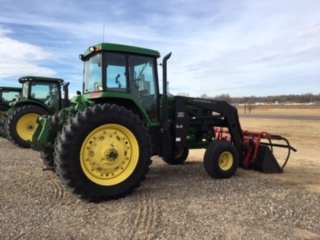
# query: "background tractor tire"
47, 154
180, 157
3, 109
3, 118
47, 159
103, 153
221, 159
21, 124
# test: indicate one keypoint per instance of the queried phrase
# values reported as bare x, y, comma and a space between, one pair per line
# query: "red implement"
258, 154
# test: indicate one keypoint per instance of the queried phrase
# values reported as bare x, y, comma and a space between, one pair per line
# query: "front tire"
103, 153
221, 159
22, 123
179, 157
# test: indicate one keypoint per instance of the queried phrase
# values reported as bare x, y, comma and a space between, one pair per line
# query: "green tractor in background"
8, 95
101, 147
40, 96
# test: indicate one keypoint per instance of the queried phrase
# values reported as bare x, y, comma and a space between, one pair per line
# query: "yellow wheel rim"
109, 154
225, 161
27, 125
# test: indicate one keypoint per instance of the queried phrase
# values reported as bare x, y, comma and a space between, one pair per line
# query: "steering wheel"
117, 81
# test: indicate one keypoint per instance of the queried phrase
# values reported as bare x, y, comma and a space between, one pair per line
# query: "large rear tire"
22, 123
103, 153
221, 159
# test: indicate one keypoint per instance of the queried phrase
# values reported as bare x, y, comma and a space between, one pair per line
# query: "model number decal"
180, 114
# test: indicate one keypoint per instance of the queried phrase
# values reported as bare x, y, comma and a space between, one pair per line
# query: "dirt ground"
174, 202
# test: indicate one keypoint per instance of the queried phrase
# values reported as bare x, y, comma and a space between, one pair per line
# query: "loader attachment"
258, 150
266, 162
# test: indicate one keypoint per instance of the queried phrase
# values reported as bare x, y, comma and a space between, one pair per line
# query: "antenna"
103, 32
41, 73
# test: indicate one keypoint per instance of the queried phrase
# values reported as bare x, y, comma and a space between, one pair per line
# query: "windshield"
43, 91
93, 74
10, 96
116, 72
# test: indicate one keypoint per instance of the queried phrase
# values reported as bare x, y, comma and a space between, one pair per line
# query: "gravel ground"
175, 202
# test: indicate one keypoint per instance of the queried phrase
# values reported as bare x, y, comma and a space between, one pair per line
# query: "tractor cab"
8, 95
43, 90
121, 72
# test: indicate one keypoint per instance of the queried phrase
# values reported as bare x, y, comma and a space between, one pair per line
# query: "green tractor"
40, 96
101, 148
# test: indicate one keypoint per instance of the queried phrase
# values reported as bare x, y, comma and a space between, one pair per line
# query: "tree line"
291, 98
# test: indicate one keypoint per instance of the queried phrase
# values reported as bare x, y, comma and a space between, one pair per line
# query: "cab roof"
13, 89
121, 48
40, 79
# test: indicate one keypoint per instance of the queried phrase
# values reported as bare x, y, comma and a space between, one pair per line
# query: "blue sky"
236, 47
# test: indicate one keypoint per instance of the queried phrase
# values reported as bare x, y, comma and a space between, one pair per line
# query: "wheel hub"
30, 127
225, 161
107, 161
112, 155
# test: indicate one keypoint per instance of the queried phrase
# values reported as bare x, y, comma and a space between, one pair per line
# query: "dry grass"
303, 168
309, 110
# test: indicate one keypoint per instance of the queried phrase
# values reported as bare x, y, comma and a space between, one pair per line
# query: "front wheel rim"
226, 161
109, 154
27, 125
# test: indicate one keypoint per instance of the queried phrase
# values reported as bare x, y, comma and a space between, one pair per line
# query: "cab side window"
142, 77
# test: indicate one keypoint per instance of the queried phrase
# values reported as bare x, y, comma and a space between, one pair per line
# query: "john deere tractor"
40, 96
102, 147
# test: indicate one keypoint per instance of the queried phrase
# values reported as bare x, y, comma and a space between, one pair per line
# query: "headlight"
92, 49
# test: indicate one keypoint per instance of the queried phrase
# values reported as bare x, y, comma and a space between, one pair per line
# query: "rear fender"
23, 102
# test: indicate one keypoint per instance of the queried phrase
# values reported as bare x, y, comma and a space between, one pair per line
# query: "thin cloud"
19, 58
